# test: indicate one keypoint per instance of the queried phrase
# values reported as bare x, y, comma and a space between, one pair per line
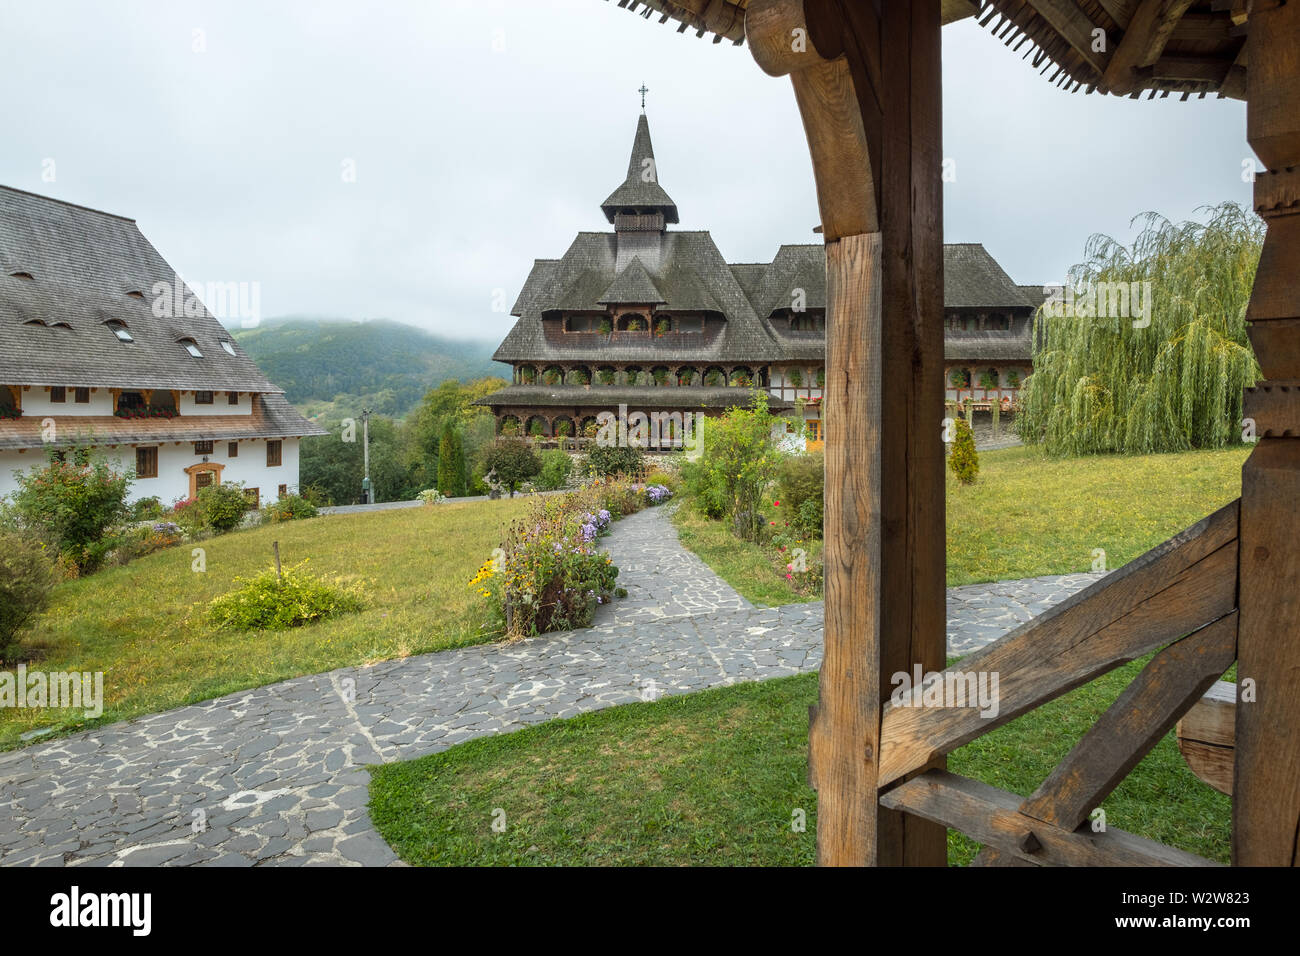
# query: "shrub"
964, 461
513, 460
607, 461
268, 602
71, 505
660, 477
147, 509
801, 482
317, 495
554, 473
143, 541
432, 496
222, 507
26, 577
739, 462
289, 508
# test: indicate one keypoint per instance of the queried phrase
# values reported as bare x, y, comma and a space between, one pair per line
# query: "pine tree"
964, 461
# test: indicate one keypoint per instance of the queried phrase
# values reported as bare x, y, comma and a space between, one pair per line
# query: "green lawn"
717, 777
144, 625
1027, 515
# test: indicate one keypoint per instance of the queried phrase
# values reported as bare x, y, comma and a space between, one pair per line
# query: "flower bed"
549, 573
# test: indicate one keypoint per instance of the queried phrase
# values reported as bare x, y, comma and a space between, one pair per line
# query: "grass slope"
1028, 515
718, 778
144, 625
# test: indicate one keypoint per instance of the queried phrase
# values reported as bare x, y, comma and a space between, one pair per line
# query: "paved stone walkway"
276, 775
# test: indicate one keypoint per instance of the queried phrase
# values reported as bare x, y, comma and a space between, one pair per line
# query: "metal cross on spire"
643, 91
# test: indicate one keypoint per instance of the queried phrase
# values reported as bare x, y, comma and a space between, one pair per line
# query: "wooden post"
868, 89
1265, 792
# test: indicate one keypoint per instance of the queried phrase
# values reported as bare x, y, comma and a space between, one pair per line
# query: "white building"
89, 356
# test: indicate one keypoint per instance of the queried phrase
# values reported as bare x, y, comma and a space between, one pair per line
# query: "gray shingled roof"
83, 263
272, 417
634, 396
693, 276
972, 279
641, 190
989, 346
633, 286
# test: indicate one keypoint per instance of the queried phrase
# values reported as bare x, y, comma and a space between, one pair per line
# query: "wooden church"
656, 320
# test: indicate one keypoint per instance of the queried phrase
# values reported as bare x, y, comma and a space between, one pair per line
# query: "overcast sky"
485, 134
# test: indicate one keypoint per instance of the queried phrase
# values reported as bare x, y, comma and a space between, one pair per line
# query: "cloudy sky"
485, 133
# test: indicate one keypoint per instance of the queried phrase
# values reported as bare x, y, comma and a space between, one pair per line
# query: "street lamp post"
365, 452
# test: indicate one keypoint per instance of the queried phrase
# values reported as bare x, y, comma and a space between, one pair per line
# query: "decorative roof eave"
634, 396
1166, 47
272, 417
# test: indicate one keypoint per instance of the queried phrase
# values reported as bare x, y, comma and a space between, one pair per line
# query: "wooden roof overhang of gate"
866, 77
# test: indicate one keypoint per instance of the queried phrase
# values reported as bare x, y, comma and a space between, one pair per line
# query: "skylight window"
230, 349
192, 347
21, 274
119, 329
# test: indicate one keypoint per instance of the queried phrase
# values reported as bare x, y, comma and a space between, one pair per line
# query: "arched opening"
579, 375
537, 427
742, 376
635, 375
714, 377
527, 375
660, 375
606, 375
632, 322
588, 427
508, 425
553, 375
688, 376
562, 427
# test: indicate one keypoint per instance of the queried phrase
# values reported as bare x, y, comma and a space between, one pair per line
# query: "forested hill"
336, 365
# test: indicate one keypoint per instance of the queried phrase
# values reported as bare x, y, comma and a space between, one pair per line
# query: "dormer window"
135, 294
119, 329
22, 274
229, 349
192, 347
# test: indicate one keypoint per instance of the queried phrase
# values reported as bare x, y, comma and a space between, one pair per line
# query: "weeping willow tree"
1168, 373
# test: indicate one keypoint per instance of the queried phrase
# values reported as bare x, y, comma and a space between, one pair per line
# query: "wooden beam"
1135, 722
1266, 771
1148, 31
872, 116
1207, 734
990, 816
1196, 69
1074, 26
1172, 590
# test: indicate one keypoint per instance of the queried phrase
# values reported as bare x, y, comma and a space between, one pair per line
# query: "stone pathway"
276, 776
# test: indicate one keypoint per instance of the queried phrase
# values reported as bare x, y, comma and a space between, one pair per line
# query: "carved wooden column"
1266, 798
868, 89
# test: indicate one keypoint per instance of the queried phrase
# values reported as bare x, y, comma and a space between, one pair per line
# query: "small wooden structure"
866, 77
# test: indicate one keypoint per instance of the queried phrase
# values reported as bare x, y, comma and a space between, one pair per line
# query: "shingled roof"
88, 268
633, 286
641, 191
694, 277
